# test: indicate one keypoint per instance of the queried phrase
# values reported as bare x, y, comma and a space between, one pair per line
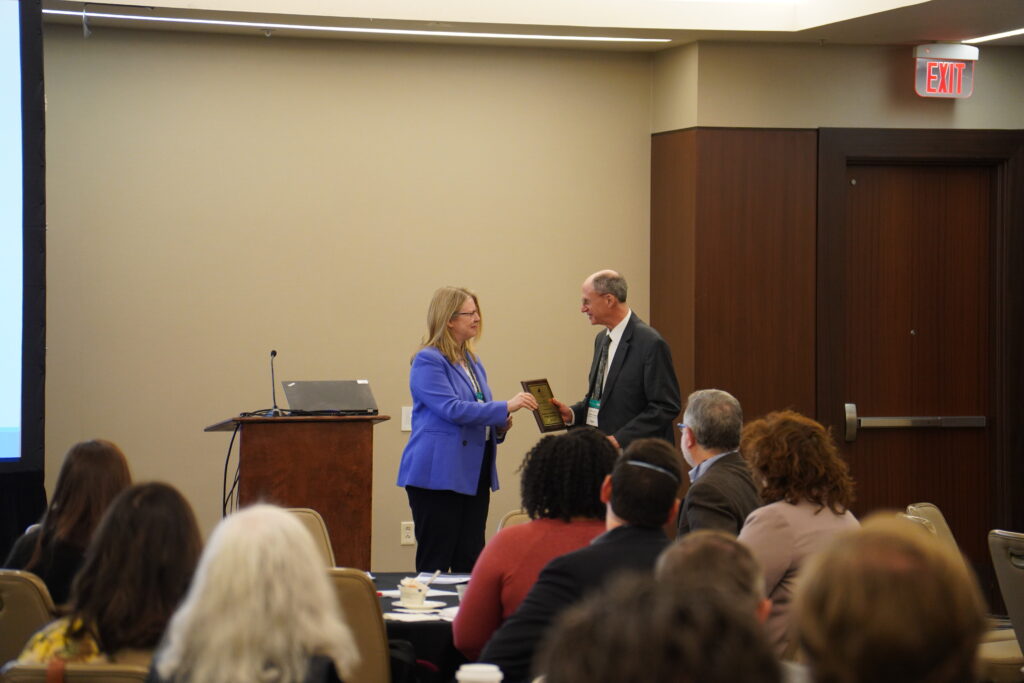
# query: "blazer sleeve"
431, 384
708, 508
770, 538
662, 390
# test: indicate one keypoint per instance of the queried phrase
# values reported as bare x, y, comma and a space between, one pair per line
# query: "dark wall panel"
741, 204
673, 207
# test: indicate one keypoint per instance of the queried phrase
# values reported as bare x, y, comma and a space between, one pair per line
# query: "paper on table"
449, 579
405, 616
395, 593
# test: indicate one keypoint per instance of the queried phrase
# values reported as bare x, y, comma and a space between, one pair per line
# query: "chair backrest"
312, 520
75, 673
25, 607
934, 515
360, 607
1007, 550
513, 517
920, 521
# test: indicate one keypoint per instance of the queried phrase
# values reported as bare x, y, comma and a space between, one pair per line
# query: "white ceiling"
857, 22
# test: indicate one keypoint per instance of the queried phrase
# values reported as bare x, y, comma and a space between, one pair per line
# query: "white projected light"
10, 231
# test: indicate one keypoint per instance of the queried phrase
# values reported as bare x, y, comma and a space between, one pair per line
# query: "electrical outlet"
408, 534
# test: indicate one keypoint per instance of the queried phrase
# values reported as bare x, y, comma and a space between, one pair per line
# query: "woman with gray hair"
260, 609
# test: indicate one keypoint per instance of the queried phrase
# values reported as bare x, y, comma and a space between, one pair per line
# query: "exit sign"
945, 70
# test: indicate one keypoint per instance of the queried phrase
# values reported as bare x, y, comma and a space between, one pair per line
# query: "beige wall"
213, 197
804, 86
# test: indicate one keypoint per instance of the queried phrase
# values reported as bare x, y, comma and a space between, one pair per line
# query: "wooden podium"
319, 462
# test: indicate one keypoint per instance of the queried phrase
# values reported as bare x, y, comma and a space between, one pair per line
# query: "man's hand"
615, 442
563, 409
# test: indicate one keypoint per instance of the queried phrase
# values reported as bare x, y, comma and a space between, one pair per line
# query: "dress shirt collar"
616, 332
700, 469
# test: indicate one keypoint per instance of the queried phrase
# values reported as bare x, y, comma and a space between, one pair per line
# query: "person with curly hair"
137, 568
561, 492
640, 497
91, 476
807, 491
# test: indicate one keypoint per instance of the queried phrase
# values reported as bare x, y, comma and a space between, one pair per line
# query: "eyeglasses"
468, 314
681, 426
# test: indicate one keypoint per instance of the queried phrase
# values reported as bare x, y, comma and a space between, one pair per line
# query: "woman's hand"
523, 399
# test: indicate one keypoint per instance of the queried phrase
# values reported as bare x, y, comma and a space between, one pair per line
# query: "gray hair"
715, 418
610, 282
260, 604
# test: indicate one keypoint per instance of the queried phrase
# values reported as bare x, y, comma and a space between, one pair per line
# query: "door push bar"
853, 423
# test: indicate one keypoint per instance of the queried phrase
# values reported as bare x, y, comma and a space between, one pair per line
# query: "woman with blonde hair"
260, 608
92, 475
448, 466
807, 491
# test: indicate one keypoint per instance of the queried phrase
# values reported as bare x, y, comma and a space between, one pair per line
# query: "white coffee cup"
412, 592
479, 673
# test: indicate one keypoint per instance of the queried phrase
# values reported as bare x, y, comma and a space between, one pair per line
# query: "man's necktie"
602, 365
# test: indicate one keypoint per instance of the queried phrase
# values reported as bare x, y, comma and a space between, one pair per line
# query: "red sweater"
507, 569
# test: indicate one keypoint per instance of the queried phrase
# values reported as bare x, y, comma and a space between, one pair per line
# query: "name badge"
593, 407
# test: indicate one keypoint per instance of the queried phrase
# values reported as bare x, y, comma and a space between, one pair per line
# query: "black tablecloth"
431, 640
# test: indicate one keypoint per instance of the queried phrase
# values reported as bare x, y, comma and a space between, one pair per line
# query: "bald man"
633, 392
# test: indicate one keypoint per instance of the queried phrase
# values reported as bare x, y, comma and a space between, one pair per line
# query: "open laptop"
342, 397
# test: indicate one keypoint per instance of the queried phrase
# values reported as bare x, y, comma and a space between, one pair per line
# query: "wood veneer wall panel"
755, 266
673, 208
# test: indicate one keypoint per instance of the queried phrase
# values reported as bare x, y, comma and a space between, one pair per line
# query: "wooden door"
914, 337
912, 322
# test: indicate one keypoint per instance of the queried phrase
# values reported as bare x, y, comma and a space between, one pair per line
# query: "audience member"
889, 603
640, 498
710, 560
561, 492
721, 492
136, 570
92, 474
807, 490
261, 608
639, 631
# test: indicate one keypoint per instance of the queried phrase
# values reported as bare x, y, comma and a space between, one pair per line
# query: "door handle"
853, 423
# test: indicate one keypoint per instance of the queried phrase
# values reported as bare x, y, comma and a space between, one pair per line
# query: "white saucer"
425, 605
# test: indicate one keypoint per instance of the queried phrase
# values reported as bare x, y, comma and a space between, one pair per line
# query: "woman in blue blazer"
447, 467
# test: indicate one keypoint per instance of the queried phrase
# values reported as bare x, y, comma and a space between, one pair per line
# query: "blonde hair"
259, 606
445, 303
889, 602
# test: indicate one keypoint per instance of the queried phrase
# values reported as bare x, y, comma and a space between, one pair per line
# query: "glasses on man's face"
681, 426
468, 314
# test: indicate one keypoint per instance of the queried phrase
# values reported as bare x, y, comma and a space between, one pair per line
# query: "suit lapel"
620, 357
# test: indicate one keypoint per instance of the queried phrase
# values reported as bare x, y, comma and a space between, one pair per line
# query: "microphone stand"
275, 411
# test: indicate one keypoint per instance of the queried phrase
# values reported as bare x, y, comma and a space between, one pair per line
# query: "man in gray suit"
633, 392
722, 492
